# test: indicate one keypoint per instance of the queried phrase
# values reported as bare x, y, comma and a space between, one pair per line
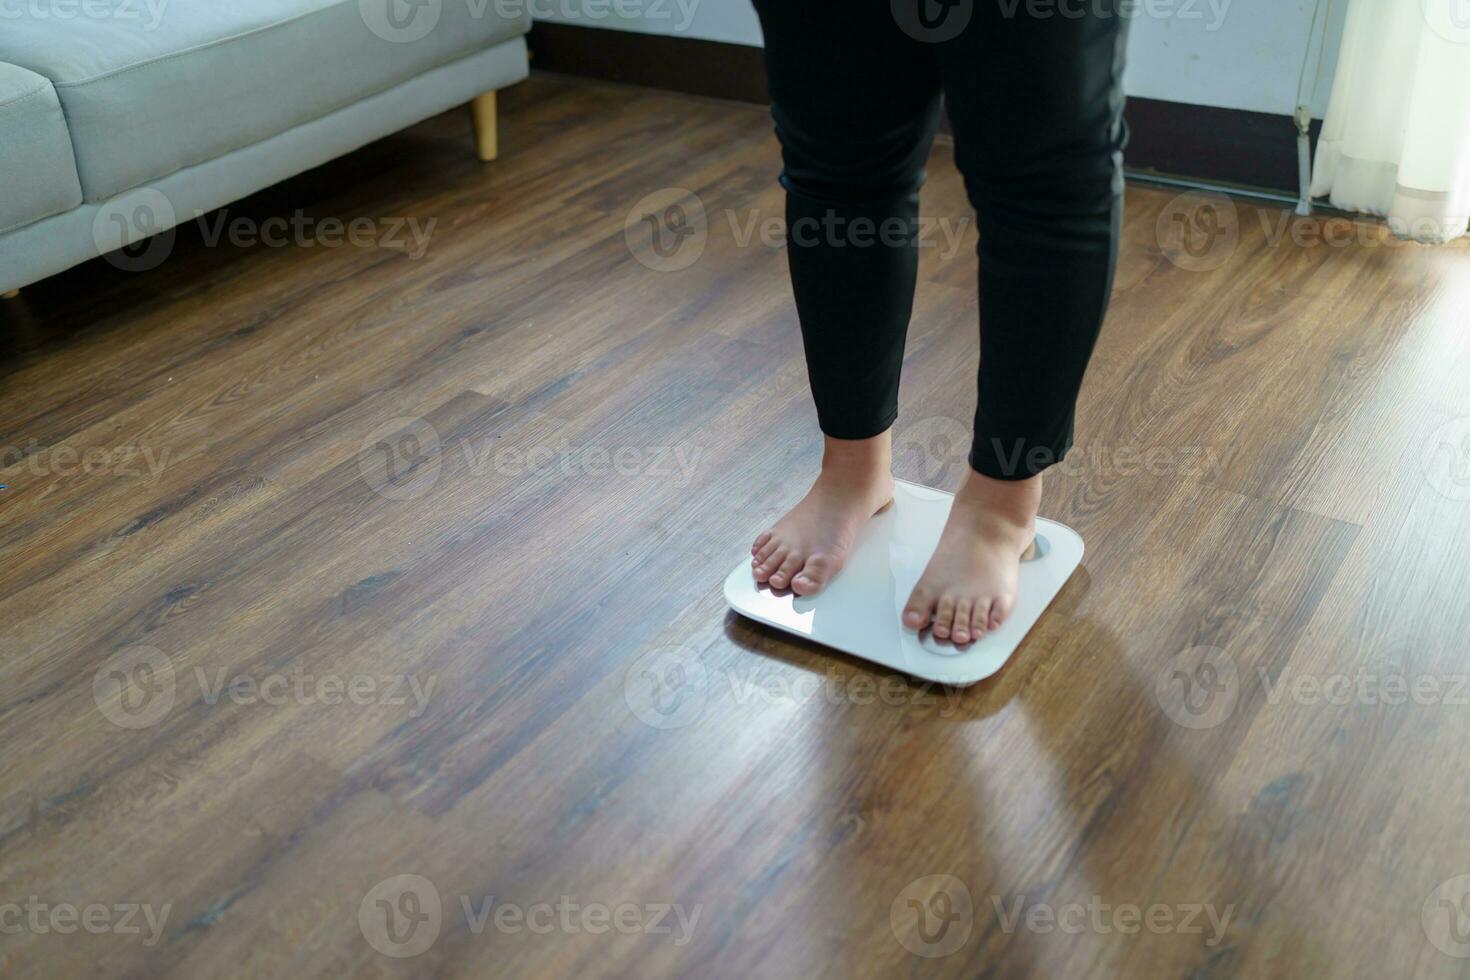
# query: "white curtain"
1396, 141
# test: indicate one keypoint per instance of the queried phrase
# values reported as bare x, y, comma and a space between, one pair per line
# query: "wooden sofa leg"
484, 111
10, 295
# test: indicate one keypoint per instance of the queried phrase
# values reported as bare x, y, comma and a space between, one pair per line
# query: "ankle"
1013, 501
858, 460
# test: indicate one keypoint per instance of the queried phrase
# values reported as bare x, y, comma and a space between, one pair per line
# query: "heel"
1038, 548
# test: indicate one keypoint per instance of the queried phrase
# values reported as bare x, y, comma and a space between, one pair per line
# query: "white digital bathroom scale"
858, 612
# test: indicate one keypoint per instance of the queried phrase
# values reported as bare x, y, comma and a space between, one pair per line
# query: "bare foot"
805, 549
969, 586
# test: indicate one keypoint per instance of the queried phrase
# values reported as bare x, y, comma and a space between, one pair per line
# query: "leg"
1037, 104
855, 119
486, 138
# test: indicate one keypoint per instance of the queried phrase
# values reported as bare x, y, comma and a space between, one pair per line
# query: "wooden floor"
449, 532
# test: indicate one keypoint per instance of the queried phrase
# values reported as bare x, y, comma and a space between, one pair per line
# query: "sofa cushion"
174, 84
38, 175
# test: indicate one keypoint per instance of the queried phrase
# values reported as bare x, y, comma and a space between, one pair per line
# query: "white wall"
733, 21
1239, 54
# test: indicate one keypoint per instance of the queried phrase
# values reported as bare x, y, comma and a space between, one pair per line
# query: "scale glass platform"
858, 612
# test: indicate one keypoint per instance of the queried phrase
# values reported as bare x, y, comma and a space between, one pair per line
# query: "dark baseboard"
682, 64
1176, 139
1206, 143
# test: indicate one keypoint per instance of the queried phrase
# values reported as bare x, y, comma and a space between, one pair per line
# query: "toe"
980, 619
782, 576
1000, 609
814, 575
919, 610
944, 617
766, 550
769, 564
962, 610
760, 542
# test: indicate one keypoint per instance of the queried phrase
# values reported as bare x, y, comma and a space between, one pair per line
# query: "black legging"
1035, 96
